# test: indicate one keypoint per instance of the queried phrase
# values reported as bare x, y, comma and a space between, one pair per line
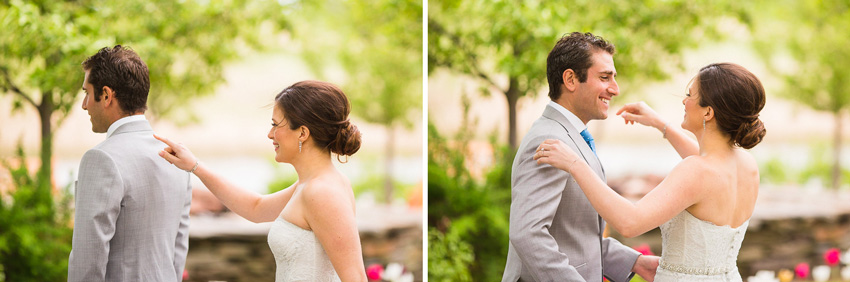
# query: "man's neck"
569, 106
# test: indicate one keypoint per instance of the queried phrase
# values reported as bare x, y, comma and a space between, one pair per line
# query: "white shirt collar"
572, 118
121, 122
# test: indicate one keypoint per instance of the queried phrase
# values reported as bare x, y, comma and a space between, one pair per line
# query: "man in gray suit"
555, 234
132, 207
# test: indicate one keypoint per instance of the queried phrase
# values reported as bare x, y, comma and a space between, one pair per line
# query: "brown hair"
573, 52
737, 97
324, 109
122, 70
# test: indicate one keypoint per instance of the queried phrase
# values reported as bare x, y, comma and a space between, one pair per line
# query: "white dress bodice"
698, 250
298, 254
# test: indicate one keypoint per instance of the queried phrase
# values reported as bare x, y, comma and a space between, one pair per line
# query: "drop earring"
299, 146
703, 125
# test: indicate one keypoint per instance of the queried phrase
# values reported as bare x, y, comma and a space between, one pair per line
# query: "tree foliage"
814, 35
504, 44
378, 46
184, 43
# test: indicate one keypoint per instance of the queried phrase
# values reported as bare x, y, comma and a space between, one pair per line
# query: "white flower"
845, 273
845, 257
763, 276
820, 273
392, 272
407, 277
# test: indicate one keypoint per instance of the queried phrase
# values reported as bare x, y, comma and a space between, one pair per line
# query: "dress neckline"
714, 224
280, 218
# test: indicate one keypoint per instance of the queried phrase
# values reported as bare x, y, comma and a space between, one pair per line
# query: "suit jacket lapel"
584, 151
574, 134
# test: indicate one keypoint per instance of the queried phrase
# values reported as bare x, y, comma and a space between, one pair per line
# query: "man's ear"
570, 80
107, 96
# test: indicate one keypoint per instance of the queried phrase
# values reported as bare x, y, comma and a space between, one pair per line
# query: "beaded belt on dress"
695, 270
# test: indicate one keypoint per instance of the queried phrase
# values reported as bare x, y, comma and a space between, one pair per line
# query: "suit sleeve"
618, 260
535, 196
98, 197
181, 243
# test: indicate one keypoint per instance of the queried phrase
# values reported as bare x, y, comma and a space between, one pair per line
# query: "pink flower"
802, 270
831, 256
644, 249
374, 271
185, 275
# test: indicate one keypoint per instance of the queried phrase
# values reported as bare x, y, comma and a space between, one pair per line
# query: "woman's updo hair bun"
750, 133
323, 108
737, 97
347, 140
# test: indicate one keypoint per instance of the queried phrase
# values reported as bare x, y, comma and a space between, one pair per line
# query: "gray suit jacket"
555, 234
132, 211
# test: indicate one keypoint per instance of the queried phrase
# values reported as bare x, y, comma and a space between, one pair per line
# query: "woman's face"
694, 114
284, 140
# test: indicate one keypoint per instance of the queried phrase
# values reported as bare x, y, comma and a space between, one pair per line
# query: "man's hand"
645, 266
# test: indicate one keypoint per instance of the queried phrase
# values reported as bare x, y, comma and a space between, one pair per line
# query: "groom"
132, 207
555, 234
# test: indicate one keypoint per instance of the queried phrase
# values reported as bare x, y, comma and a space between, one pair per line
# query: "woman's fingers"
164, 140
168, 157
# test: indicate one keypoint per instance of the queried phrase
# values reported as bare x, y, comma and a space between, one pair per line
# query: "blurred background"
215, 67
487, 85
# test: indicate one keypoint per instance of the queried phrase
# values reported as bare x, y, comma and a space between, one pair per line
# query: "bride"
703, 206
314, 233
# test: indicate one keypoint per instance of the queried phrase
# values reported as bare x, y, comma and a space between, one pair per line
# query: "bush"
36, 237
466, 209
449, 257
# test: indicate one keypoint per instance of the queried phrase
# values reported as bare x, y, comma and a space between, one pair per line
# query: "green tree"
184, 43
504, 44
378, 45
814, 35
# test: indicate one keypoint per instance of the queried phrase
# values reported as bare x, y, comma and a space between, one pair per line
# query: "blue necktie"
589, 140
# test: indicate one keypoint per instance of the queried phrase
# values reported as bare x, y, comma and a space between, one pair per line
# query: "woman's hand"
641, 113
555, 153
177, 154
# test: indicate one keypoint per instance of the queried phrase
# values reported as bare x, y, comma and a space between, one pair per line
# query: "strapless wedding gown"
698, 250
298, 254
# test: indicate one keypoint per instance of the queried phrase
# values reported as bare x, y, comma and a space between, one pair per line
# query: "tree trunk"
836, 145
388, 165
45, 112
512, 95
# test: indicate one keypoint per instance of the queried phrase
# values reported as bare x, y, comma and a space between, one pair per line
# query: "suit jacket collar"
584, 149
133, 126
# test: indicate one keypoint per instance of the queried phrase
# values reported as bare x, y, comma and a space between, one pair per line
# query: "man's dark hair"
124, 72
573, 51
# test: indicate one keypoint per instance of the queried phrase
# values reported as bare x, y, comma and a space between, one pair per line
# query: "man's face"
592, 96
99, 123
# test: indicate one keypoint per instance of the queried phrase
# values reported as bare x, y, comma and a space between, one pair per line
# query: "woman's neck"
312, 163
712, 142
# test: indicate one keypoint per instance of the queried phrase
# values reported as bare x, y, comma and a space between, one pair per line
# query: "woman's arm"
330, 215
641, 113
676, 193
250, 205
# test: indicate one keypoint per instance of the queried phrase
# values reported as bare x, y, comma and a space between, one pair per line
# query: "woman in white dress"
314, 233
703, 206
